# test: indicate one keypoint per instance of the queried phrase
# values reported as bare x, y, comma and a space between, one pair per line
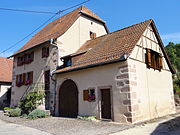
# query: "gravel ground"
68, 126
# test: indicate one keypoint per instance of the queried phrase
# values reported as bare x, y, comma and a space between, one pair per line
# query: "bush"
31, 101
7, 109
15, 112
37, 114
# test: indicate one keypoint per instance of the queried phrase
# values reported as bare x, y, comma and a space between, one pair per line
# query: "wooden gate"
68, 99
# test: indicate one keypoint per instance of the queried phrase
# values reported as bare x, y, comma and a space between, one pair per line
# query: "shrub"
90, 118
37, 114
31, 101
7, 108
15, 112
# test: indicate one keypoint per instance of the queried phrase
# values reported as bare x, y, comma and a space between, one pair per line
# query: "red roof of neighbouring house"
6, 66
58, 27
111, 47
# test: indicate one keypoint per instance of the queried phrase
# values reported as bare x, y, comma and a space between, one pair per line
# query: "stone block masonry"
126, 81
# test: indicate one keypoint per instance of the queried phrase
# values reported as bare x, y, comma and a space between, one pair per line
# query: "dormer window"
153, 59
92, 35
67, 62
45, 52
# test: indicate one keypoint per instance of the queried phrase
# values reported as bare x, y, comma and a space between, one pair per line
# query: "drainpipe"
52, 76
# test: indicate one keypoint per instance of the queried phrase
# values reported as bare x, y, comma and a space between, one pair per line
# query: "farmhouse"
40, 56
5, 81
124, 76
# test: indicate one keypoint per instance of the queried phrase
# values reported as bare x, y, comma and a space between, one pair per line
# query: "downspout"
52, 76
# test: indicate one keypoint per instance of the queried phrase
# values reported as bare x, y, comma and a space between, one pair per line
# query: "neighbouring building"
5, 81
40, 56
124, 76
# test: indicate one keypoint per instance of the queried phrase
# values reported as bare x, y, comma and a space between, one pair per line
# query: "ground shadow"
166, 128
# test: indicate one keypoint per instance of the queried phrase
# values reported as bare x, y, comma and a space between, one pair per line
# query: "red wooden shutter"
160, 62
32, 56
31, 77
47, 51
43, 51
148, 52
85, 95
24, 78
94, 35
17, 80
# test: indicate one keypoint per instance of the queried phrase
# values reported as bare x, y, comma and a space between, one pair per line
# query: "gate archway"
68, 99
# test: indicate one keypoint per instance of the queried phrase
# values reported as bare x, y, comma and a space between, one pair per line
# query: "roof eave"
29, 48
91, 66
173, 71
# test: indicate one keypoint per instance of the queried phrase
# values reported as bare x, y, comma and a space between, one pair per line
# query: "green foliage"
173, 51
37, 114
7, 108
15, 112
90, 118
31, 101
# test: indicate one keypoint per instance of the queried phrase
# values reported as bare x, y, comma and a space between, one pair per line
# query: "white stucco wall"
154, 88
67, 44
98, 78
78, 34
38, 66
3, 91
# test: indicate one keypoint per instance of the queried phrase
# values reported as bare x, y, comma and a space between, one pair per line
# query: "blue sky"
117, 14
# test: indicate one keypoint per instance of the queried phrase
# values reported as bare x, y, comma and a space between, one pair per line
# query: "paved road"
14, 129
167, 126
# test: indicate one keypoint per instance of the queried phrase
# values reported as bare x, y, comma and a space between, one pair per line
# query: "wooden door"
105, 104
68, 99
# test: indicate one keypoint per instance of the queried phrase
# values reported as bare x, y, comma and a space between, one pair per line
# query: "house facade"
40, 56
5, 81
124, 76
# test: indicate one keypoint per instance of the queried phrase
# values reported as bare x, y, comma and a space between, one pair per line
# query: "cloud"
172, 37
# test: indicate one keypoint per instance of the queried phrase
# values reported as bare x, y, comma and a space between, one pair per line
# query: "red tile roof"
57, 28
110, 47
6, 66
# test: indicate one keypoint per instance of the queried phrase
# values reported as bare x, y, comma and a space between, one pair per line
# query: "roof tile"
6, 69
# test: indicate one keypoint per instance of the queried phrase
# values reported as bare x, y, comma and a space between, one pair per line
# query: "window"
24, 79
92, 35
19, 61
45, 52
30, 57
25, 59
67, 62
19, 80
28, 78
89, 95
153, 60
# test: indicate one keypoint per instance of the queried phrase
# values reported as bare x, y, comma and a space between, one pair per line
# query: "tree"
173, 51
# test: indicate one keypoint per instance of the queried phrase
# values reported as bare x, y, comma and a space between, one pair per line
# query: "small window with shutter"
153, 60
92, 35
85, 95
89, 95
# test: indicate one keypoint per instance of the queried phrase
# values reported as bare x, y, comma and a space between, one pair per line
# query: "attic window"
67, 62
153, 59
92, 35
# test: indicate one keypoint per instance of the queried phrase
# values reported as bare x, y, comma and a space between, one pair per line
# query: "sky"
117, 14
